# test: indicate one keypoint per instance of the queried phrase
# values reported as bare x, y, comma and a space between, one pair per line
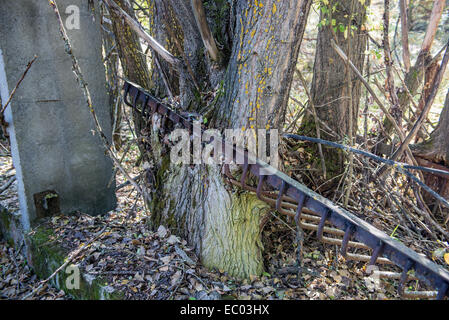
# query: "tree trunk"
112, 68
329, 84
435, 153
414, 77
248, 87
132, 59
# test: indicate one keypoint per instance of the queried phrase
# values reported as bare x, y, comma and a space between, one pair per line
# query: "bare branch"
404, 34
206, 34
426, 108
159, 49
395, 108
343, 56
18, 84
435, 17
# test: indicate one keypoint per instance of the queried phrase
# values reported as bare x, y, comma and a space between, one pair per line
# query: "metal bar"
420, 294
376, 253
281, 193
324, 217
260, 186
244, 174
404, 276
442, 291
301, 201
347, 236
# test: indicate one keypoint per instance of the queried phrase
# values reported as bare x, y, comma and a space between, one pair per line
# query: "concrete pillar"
58, 160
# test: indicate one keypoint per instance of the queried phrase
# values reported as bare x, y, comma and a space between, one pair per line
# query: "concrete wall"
51, 129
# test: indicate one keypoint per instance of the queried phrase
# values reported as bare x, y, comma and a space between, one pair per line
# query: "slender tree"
335, 98
424, 64
132, 58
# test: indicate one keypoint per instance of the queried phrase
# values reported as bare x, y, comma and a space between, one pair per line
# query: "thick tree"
336, 99
237, 62
434, 152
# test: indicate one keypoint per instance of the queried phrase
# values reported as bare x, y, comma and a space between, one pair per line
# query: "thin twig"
69, 260
344, 57
425, 111
80, 78
18, 84
8, 184
317, 125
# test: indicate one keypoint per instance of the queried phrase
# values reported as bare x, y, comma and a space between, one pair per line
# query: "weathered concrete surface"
11, 227
51, 130
45, 257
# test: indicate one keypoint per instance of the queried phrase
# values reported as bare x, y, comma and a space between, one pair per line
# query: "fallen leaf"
141, 251
135, 242
163, 269
161, 232
138, 277
176, 277
173, 239
166, 259
446, 257
438, 253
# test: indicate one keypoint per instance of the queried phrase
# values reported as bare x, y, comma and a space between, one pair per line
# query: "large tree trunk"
246, 87
330, 88
435, 153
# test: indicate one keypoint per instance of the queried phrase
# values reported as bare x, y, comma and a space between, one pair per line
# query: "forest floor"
146, 264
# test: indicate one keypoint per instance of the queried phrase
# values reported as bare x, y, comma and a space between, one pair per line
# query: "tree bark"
434, 152
132, 59
413, 78
250, 86
329, 84
112, 73
403, 6
436, 148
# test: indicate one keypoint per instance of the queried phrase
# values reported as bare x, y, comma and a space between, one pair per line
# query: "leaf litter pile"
144, 264
158, 265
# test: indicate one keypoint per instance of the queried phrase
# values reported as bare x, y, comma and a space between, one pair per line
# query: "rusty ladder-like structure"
288, 194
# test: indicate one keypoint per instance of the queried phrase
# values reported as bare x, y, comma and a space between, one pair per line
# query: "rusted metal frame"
401, 255
360, 230
265, 196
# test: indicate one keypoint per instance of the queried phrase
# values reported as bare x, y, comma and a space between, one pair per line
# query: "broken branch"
203, 26
137, 27
18, 84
